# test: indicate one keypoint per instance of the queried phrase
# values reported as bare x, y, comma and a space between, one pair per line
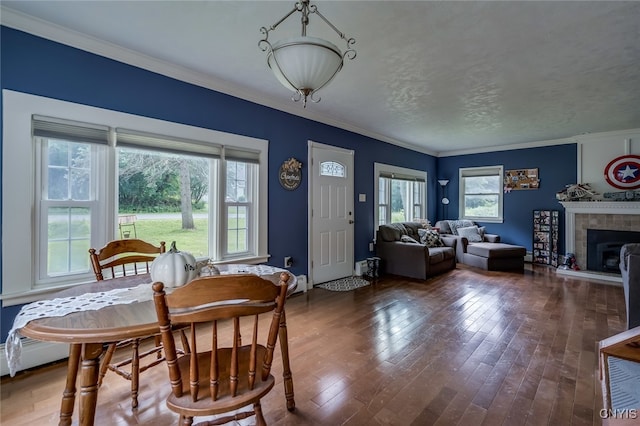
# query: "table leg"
89, 388
69, 394
286, 368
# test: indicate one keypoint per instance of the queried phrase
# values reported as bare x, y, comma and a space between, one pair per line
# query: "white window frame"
381, 169
481, 171
251, 213
19, 221
97, 204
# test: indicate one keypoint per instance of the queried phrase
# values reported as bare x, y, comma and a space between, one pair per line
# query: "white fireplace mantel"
601, 207
592, 207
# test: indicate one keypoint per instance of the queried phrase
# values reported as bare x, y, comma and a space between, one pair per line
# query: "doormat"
344, 284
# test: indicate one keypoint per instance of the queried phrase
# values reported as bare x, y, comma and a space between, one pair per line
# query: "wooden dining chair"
215, 378
121, 258
124, 257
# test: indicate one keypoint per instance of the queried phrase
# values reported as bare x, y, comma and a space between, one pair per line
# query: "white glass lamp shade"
304, 63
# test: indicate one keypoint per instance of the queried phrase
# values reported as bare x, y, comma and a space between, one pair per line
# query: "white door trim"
310, 146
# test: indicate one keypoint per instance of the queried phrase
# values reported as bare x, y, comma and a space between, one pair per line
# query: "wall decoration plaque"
623, 172
290, 174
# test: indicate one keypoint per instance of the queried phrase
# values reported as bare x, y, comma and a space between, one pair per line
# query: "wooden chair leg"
135, 372
260, 421
286, 367
69, 395
106, 360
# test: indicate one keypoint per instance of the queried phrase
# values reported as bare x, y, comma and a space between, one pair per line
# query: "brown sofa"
488, 253
412, 259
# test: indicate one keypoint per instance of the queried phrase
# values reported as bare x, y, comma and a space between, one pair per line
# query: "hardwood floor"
466, 348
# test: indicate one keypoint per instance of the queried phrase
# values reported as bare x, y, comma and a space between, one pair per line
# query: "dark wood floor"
465, 348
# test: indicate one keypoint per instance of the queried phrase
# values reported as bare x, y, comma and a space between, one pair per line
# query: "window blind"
400, 176
57, 128
143, 140
241, 155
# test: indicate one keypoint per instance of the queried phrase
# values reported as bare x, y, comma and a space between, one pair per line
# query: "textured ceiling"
442, 77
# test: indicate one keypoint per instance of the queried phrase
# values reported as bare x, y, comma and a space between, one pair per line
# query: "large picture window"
400, 194
126, 177
481, 193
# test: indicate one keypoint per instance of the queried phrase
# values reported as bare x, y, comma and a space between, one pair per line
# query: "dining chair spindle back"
221, 375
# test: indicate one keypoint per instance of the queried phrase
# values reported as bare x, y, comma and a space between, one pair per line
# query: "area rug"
344, 284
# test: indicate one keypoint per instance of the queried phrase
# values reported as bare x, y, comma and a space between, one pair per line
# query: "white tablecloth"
94, 301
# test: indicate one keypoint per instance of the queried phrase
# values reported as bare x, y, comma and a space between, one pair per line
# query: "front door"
331, 194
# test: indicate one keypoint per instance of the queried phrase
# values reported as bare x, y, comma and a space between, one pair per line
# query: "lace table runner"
62, 306
94, 301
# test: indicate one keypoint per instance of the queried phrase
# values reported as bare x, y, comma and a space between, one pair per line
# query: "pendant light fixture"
305, 64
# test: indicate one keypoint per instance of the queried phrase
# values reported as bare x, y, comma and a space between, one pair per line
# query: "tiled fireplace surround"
608, 215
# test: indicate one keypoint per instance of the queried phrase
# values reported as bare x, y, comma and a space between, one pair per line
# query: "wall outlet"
371, 246
288, 262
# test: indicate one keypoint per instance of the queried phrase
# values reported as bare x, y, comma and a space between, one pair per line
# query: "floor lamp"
443, 183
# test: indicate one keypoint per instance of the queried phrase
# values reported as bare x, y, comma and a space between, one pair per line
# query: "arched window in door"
332, 168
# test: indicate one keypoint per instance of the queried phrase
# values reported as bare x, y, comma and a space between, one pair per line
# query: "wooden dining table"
89, 331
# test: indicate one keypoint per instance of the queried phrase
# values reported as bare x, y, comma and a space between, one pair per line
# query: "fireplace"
603, 248
582, 216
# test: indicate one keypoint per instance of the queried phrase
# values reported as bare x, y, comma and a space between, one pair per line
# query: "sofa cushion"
444, 227
455, 224
412, 229
392, 232
471, 233
495, 250
439, 254
408, 239
430, 238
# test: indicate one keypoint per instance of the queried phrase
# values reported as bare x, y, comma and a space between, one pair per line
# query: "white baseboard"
35, 353
528, 257
302, 284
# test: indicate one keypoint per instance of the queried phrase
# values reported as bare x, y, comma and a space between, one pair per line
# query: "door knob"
351, 221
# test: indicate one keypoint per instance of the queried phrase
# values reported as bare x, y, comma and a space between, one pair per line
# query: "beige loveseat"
413, 259
474, 247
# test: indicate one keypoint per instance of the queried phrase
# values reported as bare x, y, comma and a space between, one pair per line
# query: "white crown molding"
524, 145
38, 27
597, 137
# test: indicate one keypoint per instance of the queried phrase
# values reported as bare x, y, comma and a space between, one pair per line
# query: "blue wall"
557, 167
38, 66
34, 65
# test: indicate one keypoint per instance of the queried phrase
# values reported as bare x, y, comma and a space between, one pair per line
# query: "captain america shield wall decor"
623, 172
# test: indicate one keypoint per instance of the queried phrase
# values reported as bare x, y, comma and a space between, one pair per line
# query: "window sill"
45, 293
34, 294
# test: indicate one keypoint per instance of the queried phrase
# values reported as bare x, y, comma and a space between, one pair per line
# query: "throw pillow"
455, 224
444, 227
408, 239
471, 233
430, 238
482, 231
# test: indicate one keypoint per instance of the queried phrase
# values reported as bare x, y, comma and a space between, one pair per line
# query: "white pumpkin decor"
174, 268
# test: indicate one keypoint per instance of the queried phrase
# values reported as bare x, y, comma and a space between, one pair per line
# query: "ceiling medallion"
305, 64
623, 172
